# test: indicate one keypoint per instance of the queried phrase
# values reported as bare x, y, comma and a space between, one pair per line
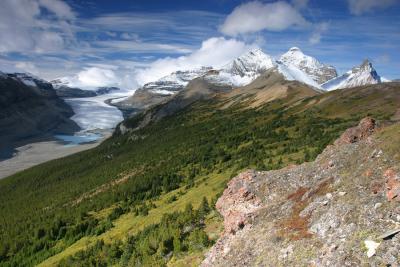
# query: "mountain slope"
158, 91
317, 71
29, 107
362, 75
269, 86
112, 212
322, 213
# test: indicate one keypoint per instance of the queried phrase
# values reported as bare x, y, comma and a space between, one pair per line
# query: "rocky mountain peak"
252, 62
318, 71
295, 49
363, 74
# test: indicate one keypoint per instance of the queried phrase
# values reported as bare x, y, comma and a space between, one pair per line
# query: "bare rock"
315, 214
392, 185
238, 203
364, 129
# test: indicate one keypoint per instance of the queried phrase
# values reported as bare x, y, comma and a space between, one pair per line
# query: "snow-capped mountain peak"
357, 76
317, 71
250, 63
174, 82
30, 80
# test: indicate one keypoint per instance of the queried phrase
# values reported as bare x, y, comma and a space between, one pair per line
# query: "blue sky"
128, 43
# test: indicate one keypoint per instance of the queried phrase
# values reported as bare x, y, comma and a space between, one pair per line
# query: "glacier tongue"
362, 75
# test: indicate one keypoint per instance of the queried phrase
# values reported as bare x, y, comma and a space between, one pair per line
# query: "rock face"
364, 129
392, 185
29, 107
318, 71
238, 204
320, 213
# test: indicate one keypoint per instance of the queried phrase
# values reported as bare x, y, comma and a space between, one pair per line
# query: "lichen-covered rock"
238, 203
314, 214
392, 185
364, 129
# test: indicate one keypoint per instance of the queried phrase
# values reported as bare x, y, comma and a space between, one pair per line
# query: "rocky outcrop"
392, 185
238, 204
322, 213
364, 129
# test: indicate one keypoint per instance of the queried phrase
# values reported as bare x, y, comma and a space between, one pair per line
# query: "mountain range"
294, 65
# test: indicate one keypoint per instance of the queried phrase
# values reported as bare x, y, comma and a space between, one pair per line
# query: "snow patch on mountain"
174, 82
291, 73
362, 75
317, 71
162, 92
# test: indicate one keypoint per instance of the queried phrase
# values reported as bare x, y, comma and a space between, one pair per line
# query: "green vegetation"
177, 233
123, 203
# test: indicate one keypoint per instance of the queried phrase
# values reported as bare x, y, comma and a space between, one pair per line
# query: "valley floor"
39, 152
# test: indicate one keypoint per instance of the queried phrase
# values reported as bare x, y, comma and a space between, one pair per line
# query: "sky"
129, 43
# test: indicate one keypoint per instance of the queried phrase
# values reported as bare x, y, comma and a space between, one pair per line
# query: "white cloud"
98, 75
319, 30
358, 7
138, 46
214, 52
25, 66
61, 9
256, 16
95, 77
26, 28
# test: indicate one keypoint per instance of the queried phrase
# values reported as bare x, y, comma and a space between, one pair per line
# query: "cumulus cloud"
34, 25
99, 75
95, 77
256, 16
213, 52
358, 7
319, 30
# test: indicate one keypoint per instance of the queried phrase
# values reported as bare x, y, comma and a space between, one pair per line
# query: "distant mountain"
250, 64
240, 71
275, 83
30, 107
317, 71
361, 75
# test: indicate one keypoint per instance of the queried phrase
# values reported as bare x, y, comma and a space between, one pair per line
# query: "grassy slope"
202, 143
129, 224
